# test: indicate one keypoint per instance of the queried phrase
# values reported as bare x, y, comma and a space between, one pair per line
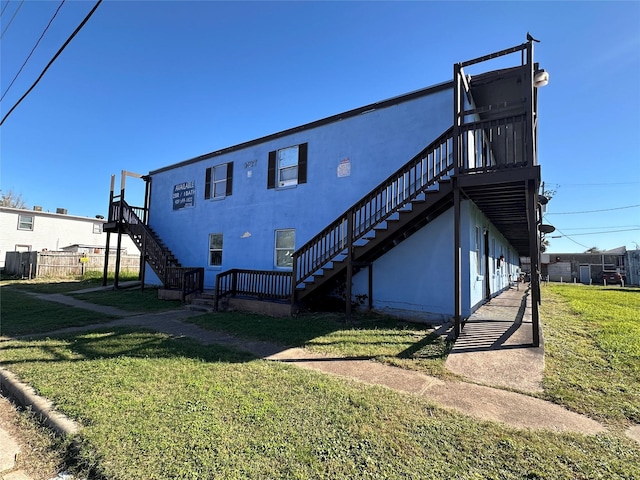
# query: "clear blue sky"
147, 84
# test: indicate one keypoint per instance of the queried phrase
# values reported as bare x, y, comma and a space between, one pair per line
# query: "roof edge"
317, 123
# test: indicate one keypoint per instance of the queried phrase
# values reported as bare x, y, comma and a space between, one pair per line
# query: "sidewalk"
494, 350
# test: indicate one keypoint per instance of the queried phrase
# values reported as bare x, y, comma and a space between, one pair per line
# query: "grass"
21, 313
41, 452
47, 285
155, 407
133, 300
592, 350
381, 338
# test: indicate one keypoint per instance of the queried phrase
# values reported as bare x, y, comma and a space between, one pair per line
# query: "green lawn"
378, 337
592, 350
21, 313
133, 300
62, 285
161, 408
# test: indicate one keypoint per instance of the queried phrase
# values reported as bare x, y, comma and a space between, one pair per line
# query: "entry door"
585, 274
487, 272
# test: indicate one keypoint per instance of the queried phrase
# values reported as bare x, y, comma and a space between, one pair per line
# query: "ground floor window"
215, 249
285, 245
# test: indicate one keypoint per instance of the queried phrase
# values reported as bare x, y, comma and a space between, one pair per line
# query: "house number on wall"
250, 164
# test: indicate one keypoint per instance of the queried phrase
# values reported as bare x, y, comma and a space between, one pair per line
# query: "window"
287, 166
215, 249
218, 181
97, 228
285, 245
25, 222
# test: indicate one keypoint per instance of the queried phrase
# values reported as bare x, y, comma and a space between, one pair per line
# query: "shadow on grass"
122, 342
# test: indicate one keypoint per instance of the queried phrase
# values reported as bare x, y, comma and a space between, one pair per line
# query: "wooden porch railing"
187, 279
261, 284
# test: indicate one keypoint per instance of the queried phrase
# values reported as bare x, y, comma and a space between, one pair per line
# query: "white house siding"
376, 143
51, 231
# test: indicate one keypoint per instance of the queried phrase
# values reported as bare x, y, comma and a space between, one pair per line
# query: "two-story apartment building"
419, 205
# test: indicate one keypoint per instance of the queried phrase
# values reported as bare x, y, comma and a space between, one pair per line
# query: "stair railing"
422, 172
158, 256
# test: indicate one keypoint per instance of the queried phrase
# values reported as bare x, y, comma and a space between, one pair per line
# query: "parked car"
611, 278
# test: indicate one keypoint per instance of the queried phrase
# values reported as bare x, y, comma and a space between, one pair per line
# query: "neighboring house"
420, 205
34, 231
583, 267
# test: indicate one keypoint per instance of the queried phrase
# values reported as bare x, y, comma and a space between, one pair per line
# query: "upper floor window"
25, 222
285, 246
215, 249
287, 166
218, 182
97, 228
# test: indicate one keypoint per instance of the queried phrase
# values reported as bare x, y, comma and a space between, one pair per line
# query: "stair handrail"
423, 171
158, 254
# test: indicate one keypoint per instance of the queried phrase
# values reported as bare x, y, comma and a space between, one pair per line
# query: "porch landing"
495, 346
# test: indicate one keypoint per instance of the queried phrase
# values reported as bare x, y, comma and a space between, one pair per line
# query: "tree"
12, 199
544, 245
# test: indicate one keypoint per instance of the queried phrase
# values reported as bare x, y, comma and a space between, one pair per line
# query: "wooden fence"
64, 264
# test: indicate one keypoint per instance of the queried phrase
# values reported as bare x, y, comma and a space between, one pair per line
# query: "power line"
601, 233
5, 7
75, 32
33, 49
569, 238
610, 226
14, 16
593, 211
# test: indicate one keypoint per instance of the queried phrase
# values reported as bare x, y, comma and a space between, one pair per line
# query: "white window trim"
291, 182
21, 221
276, 249
217, 182
211, 250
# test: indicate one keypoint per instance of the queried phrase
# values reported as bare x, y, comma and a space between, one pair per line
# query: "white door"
585, 274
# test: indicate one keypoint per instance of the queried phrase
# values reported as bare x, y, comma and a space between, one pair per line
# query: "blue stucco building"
420, 205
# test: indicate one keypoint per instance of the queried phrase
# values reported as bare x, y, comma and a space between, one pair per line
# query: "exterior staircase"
406, 201
126, 219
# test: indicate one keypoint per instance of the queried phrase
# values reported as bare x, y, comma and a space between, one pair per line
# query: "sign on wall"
184, 195
344, 168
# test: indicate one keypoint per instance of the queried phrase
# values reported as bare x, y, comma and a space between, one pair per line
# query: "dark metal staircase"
406, 201
124, 219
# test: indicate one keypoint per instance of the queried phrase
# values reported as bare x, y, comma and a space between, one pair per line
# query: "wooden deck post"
349, 265
532, 195
457, 161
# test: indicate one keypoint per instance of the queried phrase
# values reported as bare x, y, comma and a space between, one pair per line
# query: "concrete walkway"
494, 350
495, 346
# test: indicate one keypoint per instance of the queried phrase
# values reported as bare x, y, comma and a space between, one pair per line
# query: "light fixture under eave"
544, 228
540, 78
